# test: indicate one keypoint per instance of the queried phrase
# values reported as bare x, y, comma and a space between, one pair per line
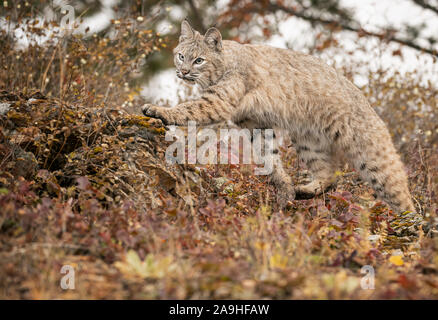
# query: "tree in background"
329, 17
238, 19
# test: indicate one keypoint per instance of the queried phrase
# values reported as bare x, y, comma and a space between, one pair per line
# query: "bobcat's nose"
185, 71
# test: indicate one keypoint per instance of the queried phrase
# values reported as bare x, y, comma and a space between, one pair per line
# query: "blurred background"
120, 52
84, 180
390, 35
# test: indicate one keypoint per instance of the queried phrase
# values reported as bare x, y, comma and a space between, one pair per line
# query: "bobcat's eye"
199, 60
181, 57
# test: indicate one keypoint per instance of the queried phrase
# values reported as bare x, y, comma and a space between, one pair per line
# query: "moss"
159, 130
139, 121
97, 150
18, 118
143, 122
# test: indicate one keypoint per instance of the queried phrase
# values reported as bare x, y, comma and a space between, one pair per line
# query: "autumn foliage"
84, 182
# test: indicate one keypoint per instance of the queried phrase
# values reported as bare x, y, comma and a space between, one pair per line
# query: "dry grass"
84, 182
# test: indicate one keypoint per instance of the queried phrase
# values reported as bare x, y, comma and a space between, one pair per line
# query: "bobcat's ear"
186, 31
213, 39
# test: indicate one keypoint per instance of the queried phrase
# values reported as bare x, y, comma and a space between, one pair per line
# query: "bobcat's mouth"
185, 78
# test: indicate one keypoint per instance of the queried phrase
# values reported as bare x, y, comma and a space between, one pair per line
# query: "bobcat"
326, 116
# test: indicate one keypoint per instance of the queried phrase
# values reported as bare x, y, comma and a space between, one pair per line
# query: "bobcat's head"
199, 58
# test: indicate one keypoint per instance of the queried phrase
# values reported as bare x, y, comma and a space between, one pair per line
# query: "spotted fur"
326, 116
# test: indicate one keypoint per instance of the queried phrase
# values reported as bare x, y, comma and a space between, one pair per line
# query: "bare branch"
426, 5
386, 36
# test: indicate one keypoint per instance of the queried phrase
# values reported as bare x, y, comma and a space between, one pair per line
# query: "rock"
219, 182
374, 238
229, 188
4, 108
21, 163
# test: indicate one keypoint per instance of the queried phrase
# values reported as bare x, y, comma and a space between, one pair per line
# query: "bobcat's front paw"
303, 192
150, 110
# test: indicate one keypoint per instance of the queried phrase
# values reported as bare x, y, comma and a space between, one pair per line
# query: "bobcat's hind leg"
278, 177
322, 165
380, 165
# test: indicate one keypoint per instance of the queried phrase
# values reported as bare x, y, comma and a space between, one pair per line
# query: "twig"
386, 35
425, 5
46, 245
383, 36
43, 83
